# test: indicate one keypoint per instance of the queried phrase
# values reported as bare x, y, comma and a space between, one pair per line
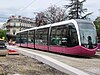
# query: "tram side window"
65, 35
54, 40
31, 37
45, 36
57, 36
24, 37
72, 36
36, 37
18, 38
41, 36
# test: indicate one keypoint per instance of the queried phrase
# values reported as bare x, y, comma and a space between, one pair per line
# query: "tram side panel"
64, 39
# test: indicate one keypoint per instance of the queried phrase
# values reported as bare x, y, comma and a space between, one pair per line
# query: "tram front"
88, 37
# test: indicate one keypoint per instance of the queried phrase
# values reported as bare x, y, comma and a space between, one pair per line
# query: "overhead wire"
21, 9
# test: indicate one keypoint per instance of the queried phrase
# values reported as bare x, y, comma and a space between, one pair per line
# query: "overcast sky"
28, 7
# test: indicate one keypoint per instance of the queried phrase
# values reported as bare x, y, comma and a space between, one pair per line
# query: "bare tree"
40, 19
53, 14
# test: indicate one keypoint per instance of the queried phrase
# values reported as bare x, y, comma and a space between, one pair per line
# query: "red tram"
74, 37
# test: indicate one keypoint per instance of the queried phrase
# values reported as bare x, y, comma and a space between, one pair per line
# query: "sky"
28, 8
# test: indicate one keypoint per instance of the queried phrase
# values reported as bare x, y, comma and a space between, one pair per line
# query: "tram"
74, 37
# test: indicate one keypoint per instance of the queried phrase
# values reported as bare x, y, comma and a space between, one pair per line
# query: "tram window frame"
56, 35
31, 36
40, 37
74, 37
18, 38
24, 37
62, 38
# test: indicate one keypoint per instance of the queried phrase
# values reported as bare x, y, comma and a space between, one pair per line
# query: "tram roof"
81, 20
57, 24
44, 26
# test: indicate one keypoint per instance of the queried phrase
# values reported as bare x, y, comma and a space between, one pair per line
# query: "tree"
2, 33
76, 10
97, 24
40, 19
51, 15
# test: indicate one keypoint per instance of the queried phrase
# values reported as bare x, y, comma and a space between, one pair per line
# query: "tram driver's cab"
87, 35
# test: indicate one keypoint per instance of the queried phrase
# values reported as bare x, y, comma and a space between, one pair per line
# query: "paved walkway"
88, 66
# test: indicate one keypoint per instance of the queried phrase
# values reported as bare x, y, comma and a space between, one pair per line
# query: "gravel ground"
23, 65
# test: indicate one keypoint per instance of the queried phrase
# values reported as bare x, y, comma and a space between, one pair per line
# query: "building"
18, 23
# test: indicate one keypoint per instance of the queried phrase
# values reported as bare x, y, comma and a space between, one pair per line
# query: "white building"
18, 23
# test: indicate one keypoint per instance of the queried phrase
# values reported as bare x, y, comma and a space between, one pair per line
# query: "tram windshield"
87, 33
